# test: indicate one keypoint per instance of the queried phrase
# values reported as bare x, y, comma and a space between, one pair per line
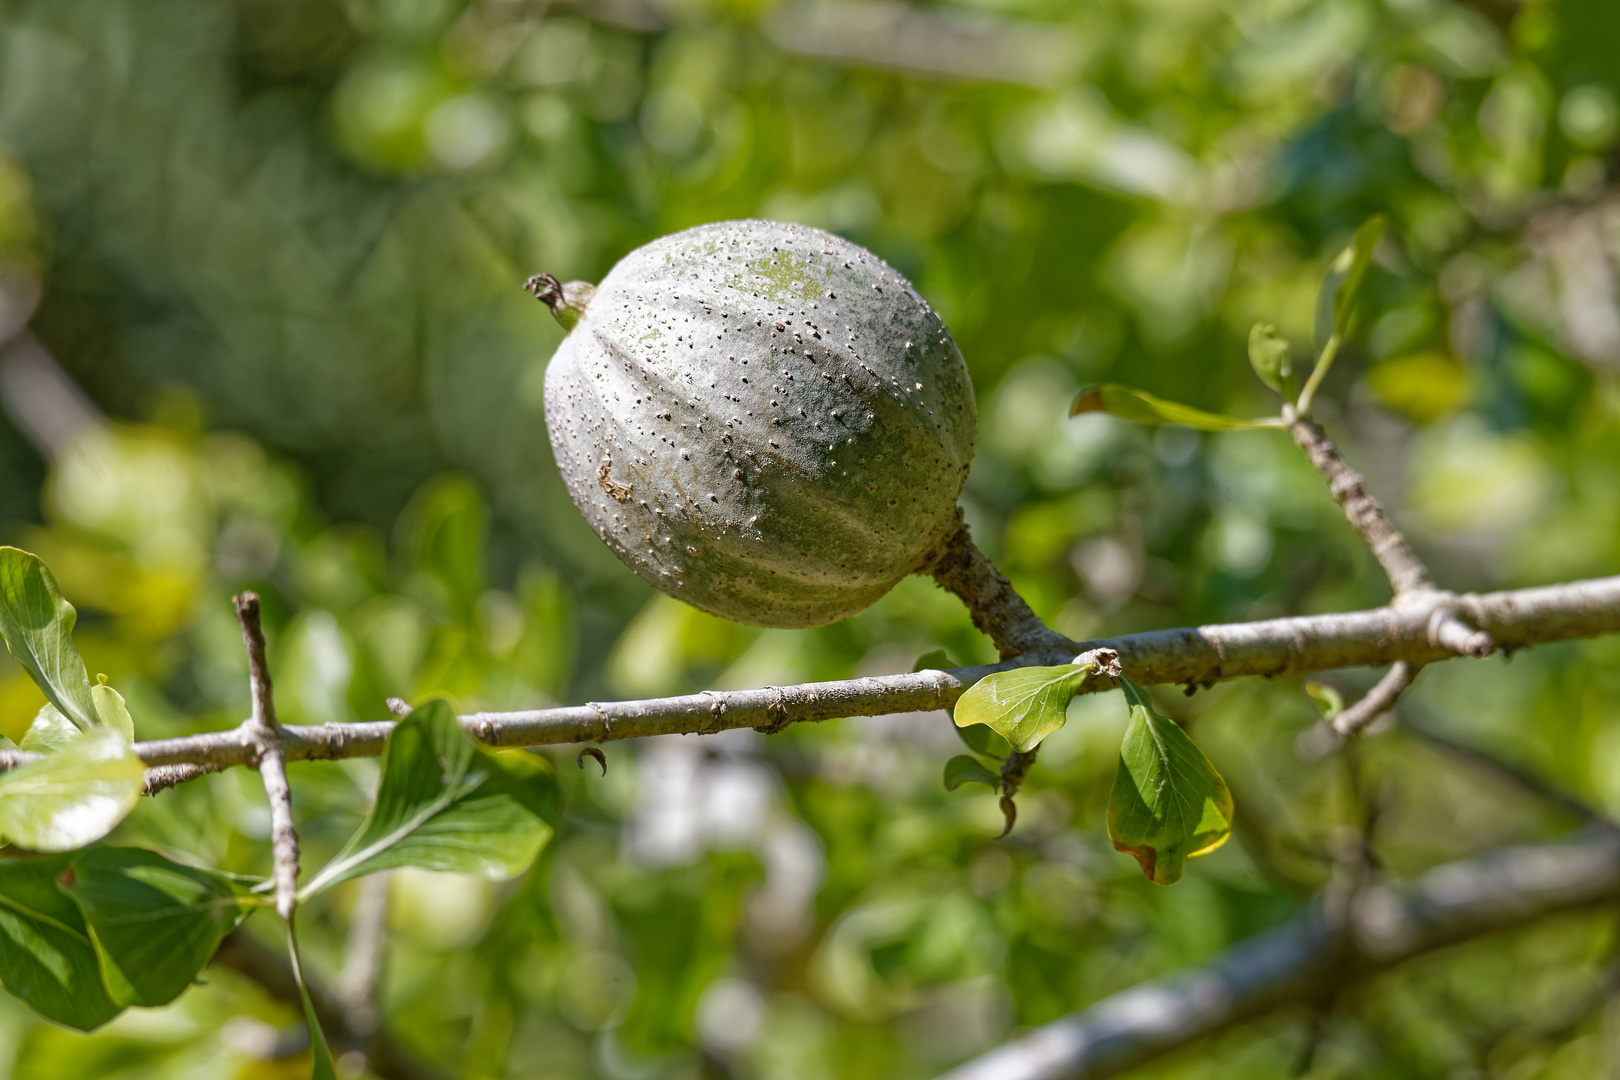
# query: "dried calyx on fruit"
763, 420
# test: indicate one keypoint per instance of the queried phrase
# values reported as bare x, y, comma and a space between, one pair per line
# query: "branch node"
267, 756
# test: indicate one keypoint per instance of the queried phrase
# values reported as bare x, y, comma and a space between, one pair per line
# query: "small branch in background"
41, 400
385, 1058
265, 734
1375, 702
1310, 959
998, 611
1515, 775
363, 959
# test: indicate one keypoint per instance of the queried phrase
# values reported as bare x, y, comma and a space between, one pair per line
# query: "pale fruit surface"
763, 420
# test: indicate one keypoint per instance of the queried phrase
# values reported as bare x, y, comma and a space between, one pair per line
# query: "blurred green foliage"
280, 244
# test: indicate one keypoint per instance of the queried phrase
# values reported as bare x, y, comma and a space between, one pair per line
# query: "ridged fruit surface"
763, 420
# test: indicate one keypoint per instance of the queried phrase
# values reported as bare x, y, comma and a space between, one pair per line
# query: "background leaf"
74, 796
1271, 359
37, 624
46, 957
963, 769
1341, 285
444, 803
1023, 705
155, 922
1168, 802
1139, 405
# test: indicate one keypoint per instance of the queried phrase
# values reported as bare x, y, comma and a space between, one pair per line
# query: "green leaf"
1142, 407
962, 769
50, 731
323, 1069
1271, 359
444, 529
73, 796
1327, 698
1168, 803
445, 803
110, 708
37, 625
937, 660
46, 957
1023, 705
155, 922
1336, 302
981, 740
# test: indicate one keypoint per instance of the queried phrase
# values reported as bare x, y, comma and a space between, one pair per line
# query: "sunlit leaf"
963, 769
111, 710
37, 625
1138, 405
50, 731
445, 803
1168, 803
46, 957
323, 1067
1336, 302
73, 796
155, 922
1023, 705
1271, 359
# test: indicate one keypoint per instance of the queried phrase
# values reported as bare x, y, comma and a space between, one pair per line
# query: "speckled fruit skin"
763, 420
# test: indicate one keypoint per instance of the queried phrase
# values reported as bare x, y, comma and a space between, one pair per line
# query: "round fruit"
763, 420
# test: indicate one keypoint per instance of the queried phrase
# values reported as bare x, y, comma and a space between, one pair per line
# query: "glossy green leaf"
445, 803
1168, 803
1023, 705
50, 731
1341, 285
73, 796
1142, 407
981, 740
46, 957
323, 1066
963, 769
110, 708
37, 625
1272, 360
155, 922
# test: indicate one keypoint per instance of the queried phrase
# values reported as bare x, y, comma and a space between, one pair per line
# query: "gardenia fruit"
763, 420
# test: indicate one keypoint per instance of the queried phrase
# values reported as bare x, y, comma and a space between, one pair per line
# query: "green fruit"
763, 420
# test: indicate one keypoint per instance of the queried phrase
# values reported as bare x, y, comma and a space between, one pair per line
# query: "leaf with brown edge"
1168, 804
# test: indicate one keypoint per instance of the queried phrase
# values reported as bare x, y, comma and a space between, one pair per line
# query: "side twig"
363, 958
265, 742
997, 610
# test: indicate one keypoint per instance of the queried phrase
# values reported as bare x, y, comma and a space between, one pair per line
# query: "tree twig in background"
363, 956
263, 735
1310, 958
1375, 702
1527, 780
269, 968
